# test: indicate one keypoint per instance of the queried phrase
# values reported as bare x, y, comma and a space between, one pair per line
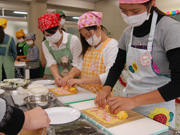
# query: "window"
72, 18
15, 13
0, 11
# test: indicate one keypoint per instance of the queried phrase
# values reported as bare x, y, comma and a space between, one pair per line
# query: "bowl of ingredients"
42, 101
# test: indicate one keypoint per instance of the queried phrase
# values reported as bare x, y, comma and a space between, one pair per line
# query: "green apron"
22, 48
58, 56
7, 61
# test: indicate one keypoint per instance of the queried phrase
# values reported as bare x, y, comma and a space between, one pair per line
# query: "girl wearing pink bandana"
99, 52
150, 47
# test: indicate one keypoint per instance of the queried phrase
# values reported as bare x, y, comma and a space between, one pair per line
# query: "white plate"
62, 115
44, 82
7, 83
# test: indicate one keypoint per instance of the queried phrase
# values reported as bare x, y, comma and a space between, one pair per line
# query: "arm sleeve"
13, 48
116, 69
172, 89
109, 56
76, 49
12, 120
35, 54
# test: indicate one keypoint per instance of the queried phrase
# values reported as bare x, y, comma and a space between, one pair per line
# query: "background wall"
112, 19
14, 26
168, 5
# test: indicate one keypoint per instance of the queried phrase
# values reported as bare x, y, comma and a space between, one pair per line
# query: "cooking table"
26, 67
58, 103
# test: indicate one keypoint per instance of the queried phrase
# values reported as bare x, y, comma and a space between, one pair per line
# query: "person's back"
11, 51
8, 53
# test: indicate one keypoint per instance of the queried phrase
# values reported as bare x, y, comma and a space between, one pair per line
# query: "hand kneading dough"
105, 116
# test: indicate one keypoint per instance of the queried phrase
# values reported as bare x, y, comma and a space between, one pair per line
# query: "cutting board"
143, 126
82, 95
132, 116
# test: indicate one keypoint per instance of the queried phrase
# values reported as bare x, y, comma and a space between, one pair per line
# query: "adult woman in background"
150, 47
8, 53
62, 16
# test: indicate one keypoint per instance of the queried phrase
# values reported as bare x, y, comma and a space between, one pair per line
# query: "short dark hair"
52, 30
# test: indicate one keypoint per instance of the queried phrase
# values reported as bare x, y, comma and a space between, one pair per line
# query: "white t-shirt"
75, 47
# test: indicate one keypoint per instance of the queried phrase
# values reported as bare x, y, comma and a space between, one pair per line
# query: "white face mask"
30, 42
94, 40
62, 22
20, 40
54, 38
136, 20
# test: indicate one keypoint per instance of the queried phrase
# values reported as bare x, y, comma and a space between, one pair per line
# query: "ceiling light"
75, 17
20, 12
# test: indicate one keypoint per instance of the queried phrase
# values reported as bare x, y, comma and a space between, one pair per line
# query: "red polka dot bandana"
48, 21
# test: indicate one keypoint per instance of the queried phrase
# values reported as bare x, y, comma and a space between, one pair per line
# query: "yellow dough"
105, 116
63, 91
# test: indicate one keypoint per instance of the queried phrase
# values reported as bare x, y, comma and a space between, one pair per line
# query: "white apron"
144, 79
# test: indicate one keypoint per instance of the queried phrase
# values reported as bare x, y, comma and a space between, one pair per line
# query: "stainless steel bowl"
42, 101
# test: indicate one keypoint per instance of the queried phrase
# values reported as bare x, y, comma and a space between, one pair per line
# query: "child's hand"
57, 81
64, 81
73, 82
21, 59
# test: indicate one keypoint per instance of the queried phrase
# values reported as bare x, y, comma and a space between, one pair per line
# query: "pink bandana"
133, 1
48, 21
89, 19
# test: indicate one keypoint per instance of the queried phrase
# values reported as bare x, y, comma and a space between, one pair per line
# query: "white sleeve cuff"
103, 77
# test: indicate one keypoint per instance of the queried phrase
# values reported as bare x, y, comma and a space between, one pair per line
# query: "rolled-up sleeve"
76, 49
49, 58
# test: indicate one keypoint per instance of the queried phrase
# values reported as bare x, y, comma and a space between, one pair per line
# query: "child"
99, 52
32, 58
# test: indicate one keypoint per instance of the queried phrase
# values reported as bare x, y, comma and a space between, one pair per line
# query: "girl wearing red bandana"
62, 50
